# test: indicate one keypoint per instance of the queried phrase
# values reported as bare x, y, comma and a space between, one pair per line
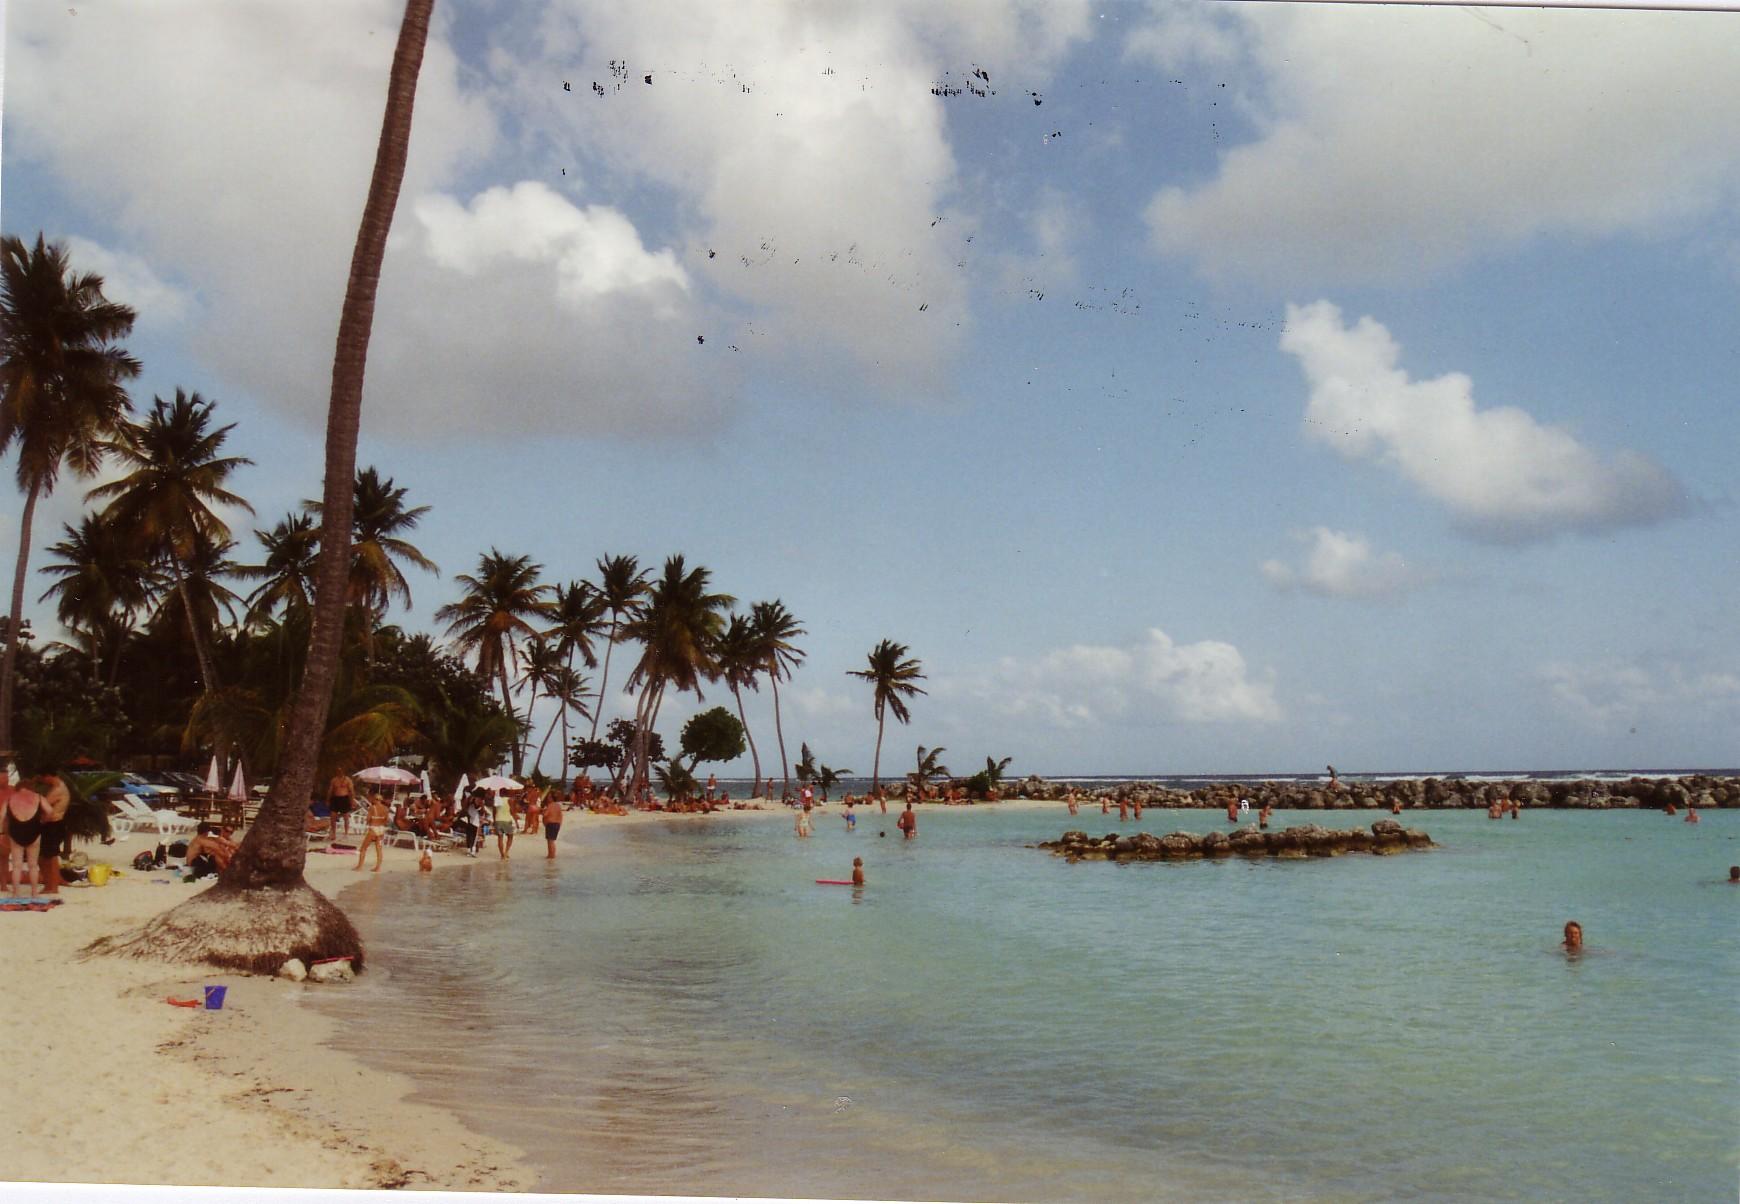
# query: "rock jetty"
1312, 840
1696, 790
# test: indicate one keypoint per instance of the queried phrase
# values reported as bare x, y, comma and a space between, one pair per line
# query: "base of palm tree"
250, 931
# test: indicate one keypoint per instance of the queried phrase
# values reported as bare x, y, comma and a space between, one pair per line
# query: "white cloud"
1392, 142
129, 280
1502, 475
1613, 692
1151, 679
803, 147
1339, 564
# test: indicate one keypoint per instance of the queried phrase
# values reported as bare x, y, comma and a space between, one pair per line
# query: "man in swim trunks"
907, 823
851, 819
376, 833
552, 823
208, 852
341, 800
56, 798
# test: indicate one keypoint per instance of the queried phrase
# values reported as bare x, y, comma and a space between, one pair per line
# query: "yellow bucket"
99, 871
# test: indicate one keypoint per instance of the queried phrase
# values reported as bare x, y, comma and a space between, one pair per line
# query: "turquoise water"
675, 1008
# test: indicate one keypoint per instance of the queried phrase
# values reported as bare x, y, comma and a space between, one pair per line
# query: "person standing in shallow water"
552, 823
503, 823
907, 823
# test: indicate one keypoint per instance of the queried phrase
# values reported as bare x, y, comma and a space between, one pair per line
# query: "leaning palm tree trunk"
201, 655
784, 766
9, 667
262, 911
876, 767
755, 787
604, 681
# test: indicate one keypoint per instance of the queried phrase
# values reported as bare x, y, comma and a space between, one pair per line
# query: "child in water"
857, 871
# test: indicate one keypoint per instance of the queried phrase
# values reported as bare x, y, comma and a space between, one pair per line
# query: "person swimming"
1573, 937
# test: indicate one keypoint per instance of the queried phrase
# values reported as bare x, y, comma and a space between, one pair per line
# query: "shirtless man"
209, 852
56, 798
1573, 937
857, 871
341, 798
376, 833
1070, 799
552, 823
907, 823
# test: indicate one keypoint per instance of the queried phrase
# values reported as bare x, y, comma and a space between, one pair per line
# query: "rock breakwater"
1311, 840
1697, 790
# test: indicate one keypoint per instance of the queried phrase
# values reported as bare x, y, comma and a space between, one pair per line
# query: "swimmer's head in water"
1573, 935
1734, 873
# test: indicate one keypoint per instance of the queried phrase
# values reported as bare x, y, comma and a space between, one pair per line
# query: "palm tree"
61, 396
166, 500
806, 768
541, 661
893, 673
678, 630
622, 584
262, 911
775, 629
739, 653
929, 768
994, 771
379, 521
500, 601
827, 778
579, 614
286, 576
570, 690
201, 599
103, 584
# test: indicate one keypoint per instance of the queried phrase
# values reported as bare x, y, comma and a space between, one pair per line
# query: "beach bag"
144, 860
177, 848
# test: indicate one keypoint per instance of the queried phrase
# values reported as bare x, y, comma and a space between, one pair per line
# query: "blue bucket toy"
214, 998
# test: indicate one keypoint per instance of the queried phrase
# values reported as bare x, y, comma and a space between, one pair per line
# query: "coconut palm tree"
539, 662
571, 691
176, 475
501, 602
379, 522
827, 778
739, 655
806, 767
61, 396
775, 629
930, 767
622, 585
893, 673
286, 576
201, 600
103, 585
262, 911
579, 620
678, 630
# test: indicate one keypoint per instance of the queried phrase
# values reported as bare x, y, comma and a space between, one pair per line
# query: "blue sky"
1288, 386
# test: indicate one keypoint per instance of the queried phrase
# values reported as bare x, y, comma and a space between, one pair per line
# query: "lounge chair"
167, 823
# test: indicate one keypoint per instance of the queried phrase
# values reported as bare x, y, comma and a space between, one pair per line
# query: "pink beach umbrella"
214, 777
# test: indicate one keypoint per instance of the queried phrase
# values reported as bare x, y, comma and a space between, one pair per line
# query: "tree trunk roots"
250, 931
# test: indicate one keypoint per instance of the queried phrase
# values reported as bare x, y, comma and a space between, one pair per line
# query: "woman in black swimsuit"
24, 820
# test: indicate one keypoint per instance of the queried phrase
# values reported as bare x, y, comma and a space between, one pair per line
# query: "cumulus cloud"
557, 314
1153, 678
1502, 475
129, 280
1391, 142
808, 159
1339, 564
1613, 692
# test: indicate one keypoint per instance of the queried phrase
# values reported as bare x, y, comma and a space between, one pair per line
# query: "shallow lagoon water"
676, 1008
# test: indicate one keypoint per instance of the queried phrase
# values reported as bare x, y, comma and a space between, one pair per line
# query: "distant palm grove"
186, 640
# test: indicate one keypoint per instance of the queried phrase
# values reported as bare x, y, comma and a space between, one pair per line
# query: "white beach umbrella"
238, 788
428, 790
498, 783
464, 785
214, 777
387, 775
